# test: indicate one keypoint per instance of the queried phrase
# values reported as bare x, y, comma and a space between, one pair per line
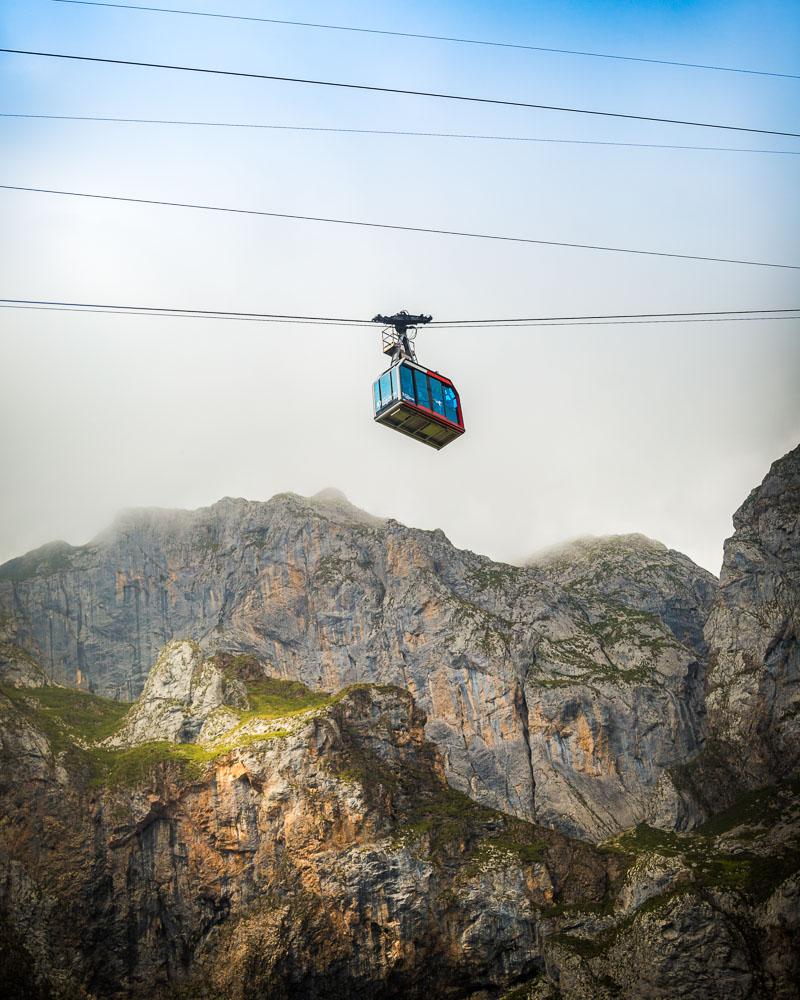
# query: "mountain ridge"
327, 497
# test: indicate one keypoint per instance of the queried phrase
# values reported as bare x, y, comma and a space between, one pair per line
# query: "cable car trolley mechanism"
410, 398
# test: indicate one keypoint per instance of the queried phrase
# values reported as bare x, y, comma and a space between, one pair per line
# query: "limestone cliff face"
243, 830
563, 689
615, 692
754, 676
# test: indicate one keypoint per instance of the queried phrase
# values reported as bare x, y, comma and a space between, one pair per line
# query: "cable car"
410, 398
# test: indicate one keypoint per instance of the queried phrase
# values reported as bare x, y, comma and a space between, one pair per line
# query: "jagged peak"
328, 500
134, 517
130, 518
56, 556
780, 489
332, 502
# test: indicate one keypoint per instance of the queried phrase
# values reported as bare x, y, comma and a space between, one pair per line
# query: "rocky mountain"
558, 696
362, 762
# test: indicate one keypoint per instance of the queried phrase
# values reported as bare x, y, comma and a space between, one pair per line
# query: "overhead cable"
433, 38
296, 322
155, 314
483, 323
394, 227
219, 313
396, 90
105, 308
398, 132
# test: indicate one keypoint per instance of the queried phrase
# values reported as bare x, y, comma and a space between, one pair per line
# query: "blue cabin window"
450, 404
407, 384
376, 391
421, 383
386, 388
436, 396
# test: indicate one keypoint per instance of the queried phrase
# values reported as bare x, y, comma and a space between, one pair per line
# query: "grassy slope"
75, 722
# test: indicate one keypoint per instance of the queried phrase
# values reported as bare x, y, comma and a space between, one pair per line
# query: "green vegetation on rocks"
132, 766
494, 576
524, 992
758, 810
742, 866
517, 844
67, 715
268, 697
273, 698
75, 723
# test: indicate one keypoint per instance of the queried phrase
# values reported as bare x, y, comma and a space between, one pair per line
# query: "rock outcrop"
182, 692
615, 693
640, 574
19, 669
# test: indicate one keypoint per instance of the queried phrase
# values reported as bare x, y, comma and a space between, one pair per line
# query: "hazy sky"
660, 429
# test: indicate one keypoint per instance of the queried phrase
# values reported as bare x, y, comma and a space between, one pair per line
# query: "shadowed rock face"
563, 689
754, 675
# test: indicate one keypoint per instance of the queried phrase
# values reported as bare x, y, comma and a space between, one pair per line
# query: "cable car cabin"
419, 403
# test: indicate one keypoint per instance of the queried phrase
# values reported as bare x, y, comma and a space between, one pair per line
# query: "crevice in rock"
521, 707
